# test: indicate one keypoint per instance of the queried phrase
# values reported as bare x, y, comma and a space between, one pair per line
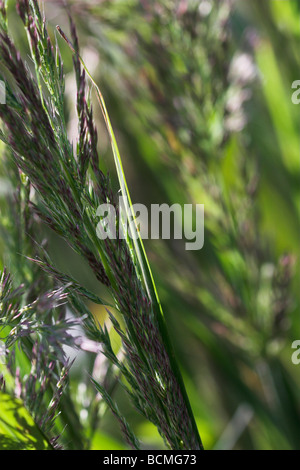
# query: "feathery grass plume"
70, 187
37, 333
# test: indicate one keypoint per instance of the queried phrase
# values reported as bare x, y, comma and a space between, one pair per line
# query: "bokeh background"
199, 94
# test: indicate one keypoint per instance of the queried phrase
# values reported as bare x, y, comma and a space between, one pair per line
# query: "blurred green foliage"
200, 96
17, 429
